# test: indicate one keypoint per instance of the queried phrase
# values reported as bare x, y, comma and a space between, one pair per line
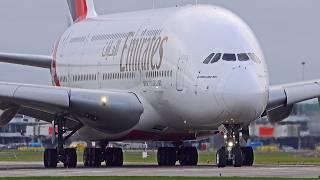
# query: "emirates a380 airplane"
172, 74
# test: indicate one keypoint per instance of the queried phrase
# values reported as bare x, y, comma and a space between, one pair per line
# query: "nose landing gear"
232, 153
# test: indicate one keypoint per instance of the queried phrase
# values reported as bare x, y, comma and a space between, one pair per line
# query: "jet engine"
279, 114
110, 112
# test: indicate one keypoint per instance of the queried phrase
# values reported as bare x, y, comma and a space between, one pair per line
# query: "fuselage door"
181, 72
99, 75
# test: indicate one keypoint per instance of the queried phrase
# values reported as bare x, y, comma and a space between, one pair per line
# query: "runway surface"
27, 169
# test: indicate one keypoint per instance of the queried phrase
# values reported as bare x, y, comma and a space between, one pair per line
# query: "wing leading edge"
41, 61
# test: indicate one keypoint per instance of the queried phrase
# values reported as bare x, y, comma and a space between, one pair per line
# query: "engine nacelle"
7, 114
279, 114
110, 112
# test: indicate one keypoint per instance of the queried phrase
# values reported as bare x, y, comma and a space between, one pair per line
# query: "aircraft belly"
152, 126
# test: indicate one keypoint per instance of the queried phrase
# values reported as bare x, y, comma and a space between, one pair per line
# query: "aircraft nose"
243, 95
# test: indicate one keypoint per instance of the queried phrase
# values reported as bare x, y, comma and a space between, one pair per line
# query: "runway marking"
36, 169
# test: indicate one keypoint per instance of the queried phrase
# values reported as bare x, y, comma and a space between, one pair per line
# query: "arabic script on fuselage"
138, 51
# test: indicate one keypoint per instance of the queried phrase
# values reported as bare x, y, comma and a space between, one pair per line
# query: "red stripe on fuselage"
54, 74
81, 9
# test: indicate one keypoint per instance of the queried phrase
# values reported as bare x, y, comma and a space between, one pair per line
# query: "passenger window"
254, 58
243, 57
208, 59
216, 58
229, 57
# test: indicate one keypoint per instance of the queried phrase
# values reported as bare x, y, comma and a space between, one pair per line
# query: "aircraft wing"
41, 61
283, 97
110, 110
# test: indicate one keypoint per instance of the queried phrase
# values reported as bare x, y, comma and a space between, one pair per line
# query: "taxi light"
230, 144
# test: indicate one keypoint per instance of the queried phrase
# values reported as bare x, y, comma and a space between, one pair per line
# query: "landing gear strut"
232, 153
68, 156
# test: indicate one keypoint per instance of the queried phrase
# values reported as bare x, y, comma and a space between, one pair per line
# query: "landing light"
104, 100
230, 144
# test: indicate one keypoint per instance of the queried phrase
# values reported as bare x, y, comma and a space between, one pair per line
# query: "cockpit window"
216, 58
254, 58
229, 57
243, 57
208, 59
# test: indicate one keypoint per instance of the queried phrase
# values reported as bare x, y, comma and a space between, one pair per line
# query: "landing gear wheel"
92, 157
237, 156
188, 156
114, 157
229, 162
71, 158
248, 156
221, 157
167, 156
50, 158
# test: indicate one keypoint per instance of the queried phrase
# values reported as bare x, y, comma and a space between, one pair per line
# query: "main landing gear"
68, 156
168, 156
232, 153
93, 157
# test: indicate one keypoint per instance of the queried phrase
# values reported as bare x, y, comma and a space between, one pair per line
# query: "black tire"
71, 158
118, 157
86, 157
221, 157
171, 156
108, 156
50, 158
248, 156
97, 157
92, 157
161, 156
167, 156
237, 156
188, 156
113, 157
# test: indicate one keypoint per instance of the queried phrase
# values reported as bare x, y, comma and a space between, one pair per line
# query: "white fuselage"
159, 55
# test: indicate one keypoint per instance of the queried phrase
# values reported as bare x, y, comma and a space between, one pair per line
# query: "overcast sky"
288, 31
